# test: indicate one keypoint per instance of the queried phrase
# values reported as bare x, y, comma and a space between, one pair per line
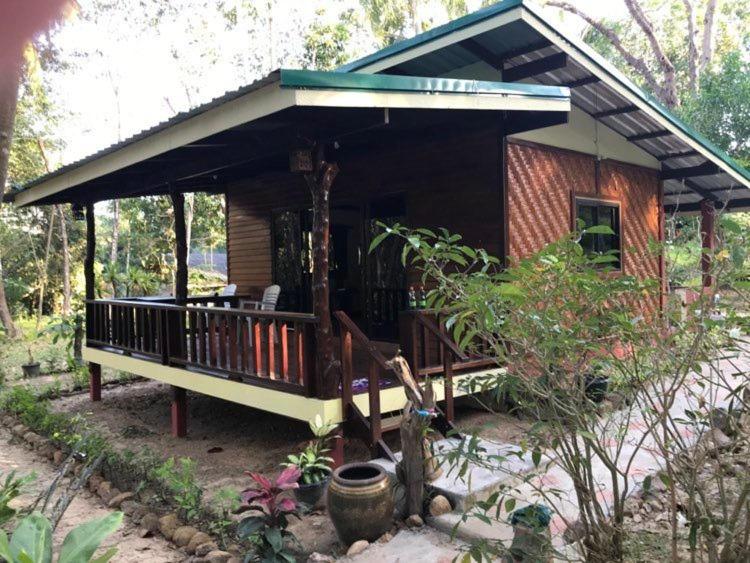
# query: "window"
597, 212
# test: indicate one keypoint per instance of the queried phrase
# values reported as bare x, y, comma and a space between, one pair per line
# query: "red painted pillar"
708, 240
95, 382
337, 448
179, 412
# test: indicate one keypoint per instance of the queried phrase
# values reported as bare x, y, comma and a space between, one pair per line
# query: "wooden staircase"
371, 428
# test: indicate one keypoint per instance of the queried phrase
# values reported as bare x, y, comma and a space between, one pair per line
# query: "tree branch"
692, 47
670, 85
708, 32
637, 63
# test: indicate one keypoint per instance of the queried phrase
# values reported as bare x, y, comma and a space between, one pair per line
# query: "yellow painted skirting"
270, 400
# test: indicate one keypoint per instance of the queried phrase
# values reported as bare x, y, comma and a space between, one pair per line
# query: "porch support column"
319, 180
179, 412
180, 251
95, 370
708, 241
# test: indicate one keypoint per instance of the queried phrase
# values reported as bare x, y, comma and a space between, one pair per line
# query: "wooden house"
495, 126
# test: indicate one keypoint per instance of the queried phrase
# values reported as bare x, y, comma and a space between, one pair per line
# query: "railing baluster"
233, 349
257, 352
347, 393
201, 338
271, 350
211, 338
245, 330
299, 352
284, 350
373, 381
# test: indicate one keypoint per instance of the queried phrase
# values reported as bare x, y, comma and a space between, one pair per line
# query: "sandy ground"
131, 547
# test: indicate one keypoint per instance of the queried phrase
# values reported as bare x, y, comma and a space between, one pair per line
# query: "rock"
715, 440
205, 548
19, 430
439, 506
168, 524
235, 559
42, 443
320, 558
129, 506
113, 492
415, 521
116, 500
218, 556
77, 469
58, 457
48, 451
654, 504
357, 547
575, 532
94, 481
182, 535
385, 538
150, 522
199, 538
32, 438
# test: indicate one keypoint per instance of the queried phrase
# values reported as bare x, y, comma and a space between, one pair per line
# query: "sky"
124, 77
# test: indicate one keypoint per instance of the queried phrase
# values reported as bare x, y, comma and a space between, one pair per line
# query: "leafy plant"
10, 489
31, 541
69, 330
314, 466
268, 528
224, 504
179, 478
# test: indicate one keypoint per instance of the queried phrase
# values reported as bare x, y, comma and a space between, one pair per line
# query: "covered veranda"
297, 364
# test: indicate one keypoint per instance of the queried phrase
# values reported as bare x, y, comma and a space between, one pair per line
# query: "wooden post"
181, 250
95, 370
337, 449
708, 240
319, 181
179, 412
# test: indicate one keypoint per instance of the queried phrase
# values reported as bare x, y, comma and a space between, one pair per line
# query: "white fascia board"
254, 105
583, 59
422, 100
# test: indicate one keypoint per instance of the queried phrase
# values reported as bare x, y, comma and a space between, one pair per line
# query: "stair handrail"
442, 337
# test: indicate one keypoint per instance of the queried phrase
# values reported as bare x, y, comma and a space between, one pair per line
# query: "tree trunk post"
708, 241
95, 370
179, 412
180, 234
319, 181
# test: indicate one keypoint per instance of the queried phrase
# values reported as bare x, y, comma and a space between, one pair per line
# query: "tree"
394, 20
20, 21
666, 46
326, 44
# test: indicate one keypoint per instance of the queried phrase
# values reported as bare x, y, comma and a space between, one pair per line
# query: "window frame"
602, 202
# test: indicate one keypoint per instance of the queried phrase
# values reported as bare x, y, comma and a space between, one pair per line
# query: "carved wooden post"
95, 370
176, 319
319, 180
708, 238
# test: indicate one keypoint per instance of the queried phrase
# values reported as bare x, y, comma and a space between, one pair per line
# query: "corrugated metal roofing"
593, 96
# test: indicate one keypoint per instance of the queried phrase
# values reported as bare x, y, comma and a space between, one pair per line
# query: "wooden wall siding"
541, 183
448, 181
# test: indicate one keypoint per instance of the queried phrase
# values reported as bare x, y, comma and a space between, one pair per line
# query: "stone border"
198, 545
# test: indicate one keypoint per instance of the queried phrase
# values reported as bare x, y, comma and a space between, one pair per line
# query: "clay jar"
360, 502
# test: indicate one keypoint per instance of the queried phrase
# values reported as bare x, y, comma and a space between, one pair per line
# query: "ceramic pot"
31, 370
360, 502
310, 494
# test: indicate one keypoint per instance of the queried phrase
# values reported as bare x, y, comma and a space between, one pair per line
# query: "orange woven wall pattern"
542, 182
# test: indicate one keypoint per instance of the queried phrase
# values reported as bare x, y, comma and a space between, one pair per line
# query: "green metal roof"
605, 67
432, 34
383, 82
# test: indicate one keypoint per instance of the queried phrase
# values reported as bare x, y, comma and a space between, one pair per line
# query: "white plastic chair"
268, 302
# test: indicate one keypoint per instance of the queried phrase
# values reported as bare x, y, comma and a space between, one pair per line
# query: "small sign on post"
301, 161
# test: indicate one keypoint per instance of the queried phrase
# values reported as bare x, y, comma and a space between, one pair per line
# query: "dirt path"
131, 547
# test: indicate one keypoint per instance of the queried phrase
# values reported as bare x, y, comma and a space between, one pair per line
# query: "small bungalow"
495, 126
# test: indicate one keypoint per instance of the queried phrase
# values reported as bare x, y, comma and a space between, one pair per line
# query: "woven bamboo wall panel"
539, 187
542, 182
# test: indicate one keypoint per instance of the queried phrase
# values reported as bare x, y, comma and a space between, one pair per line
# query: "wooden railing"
430, 350
269, 348
377, 362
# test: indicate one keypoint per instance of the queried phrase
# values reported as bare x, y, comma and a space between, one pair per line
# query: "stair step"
391, 423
